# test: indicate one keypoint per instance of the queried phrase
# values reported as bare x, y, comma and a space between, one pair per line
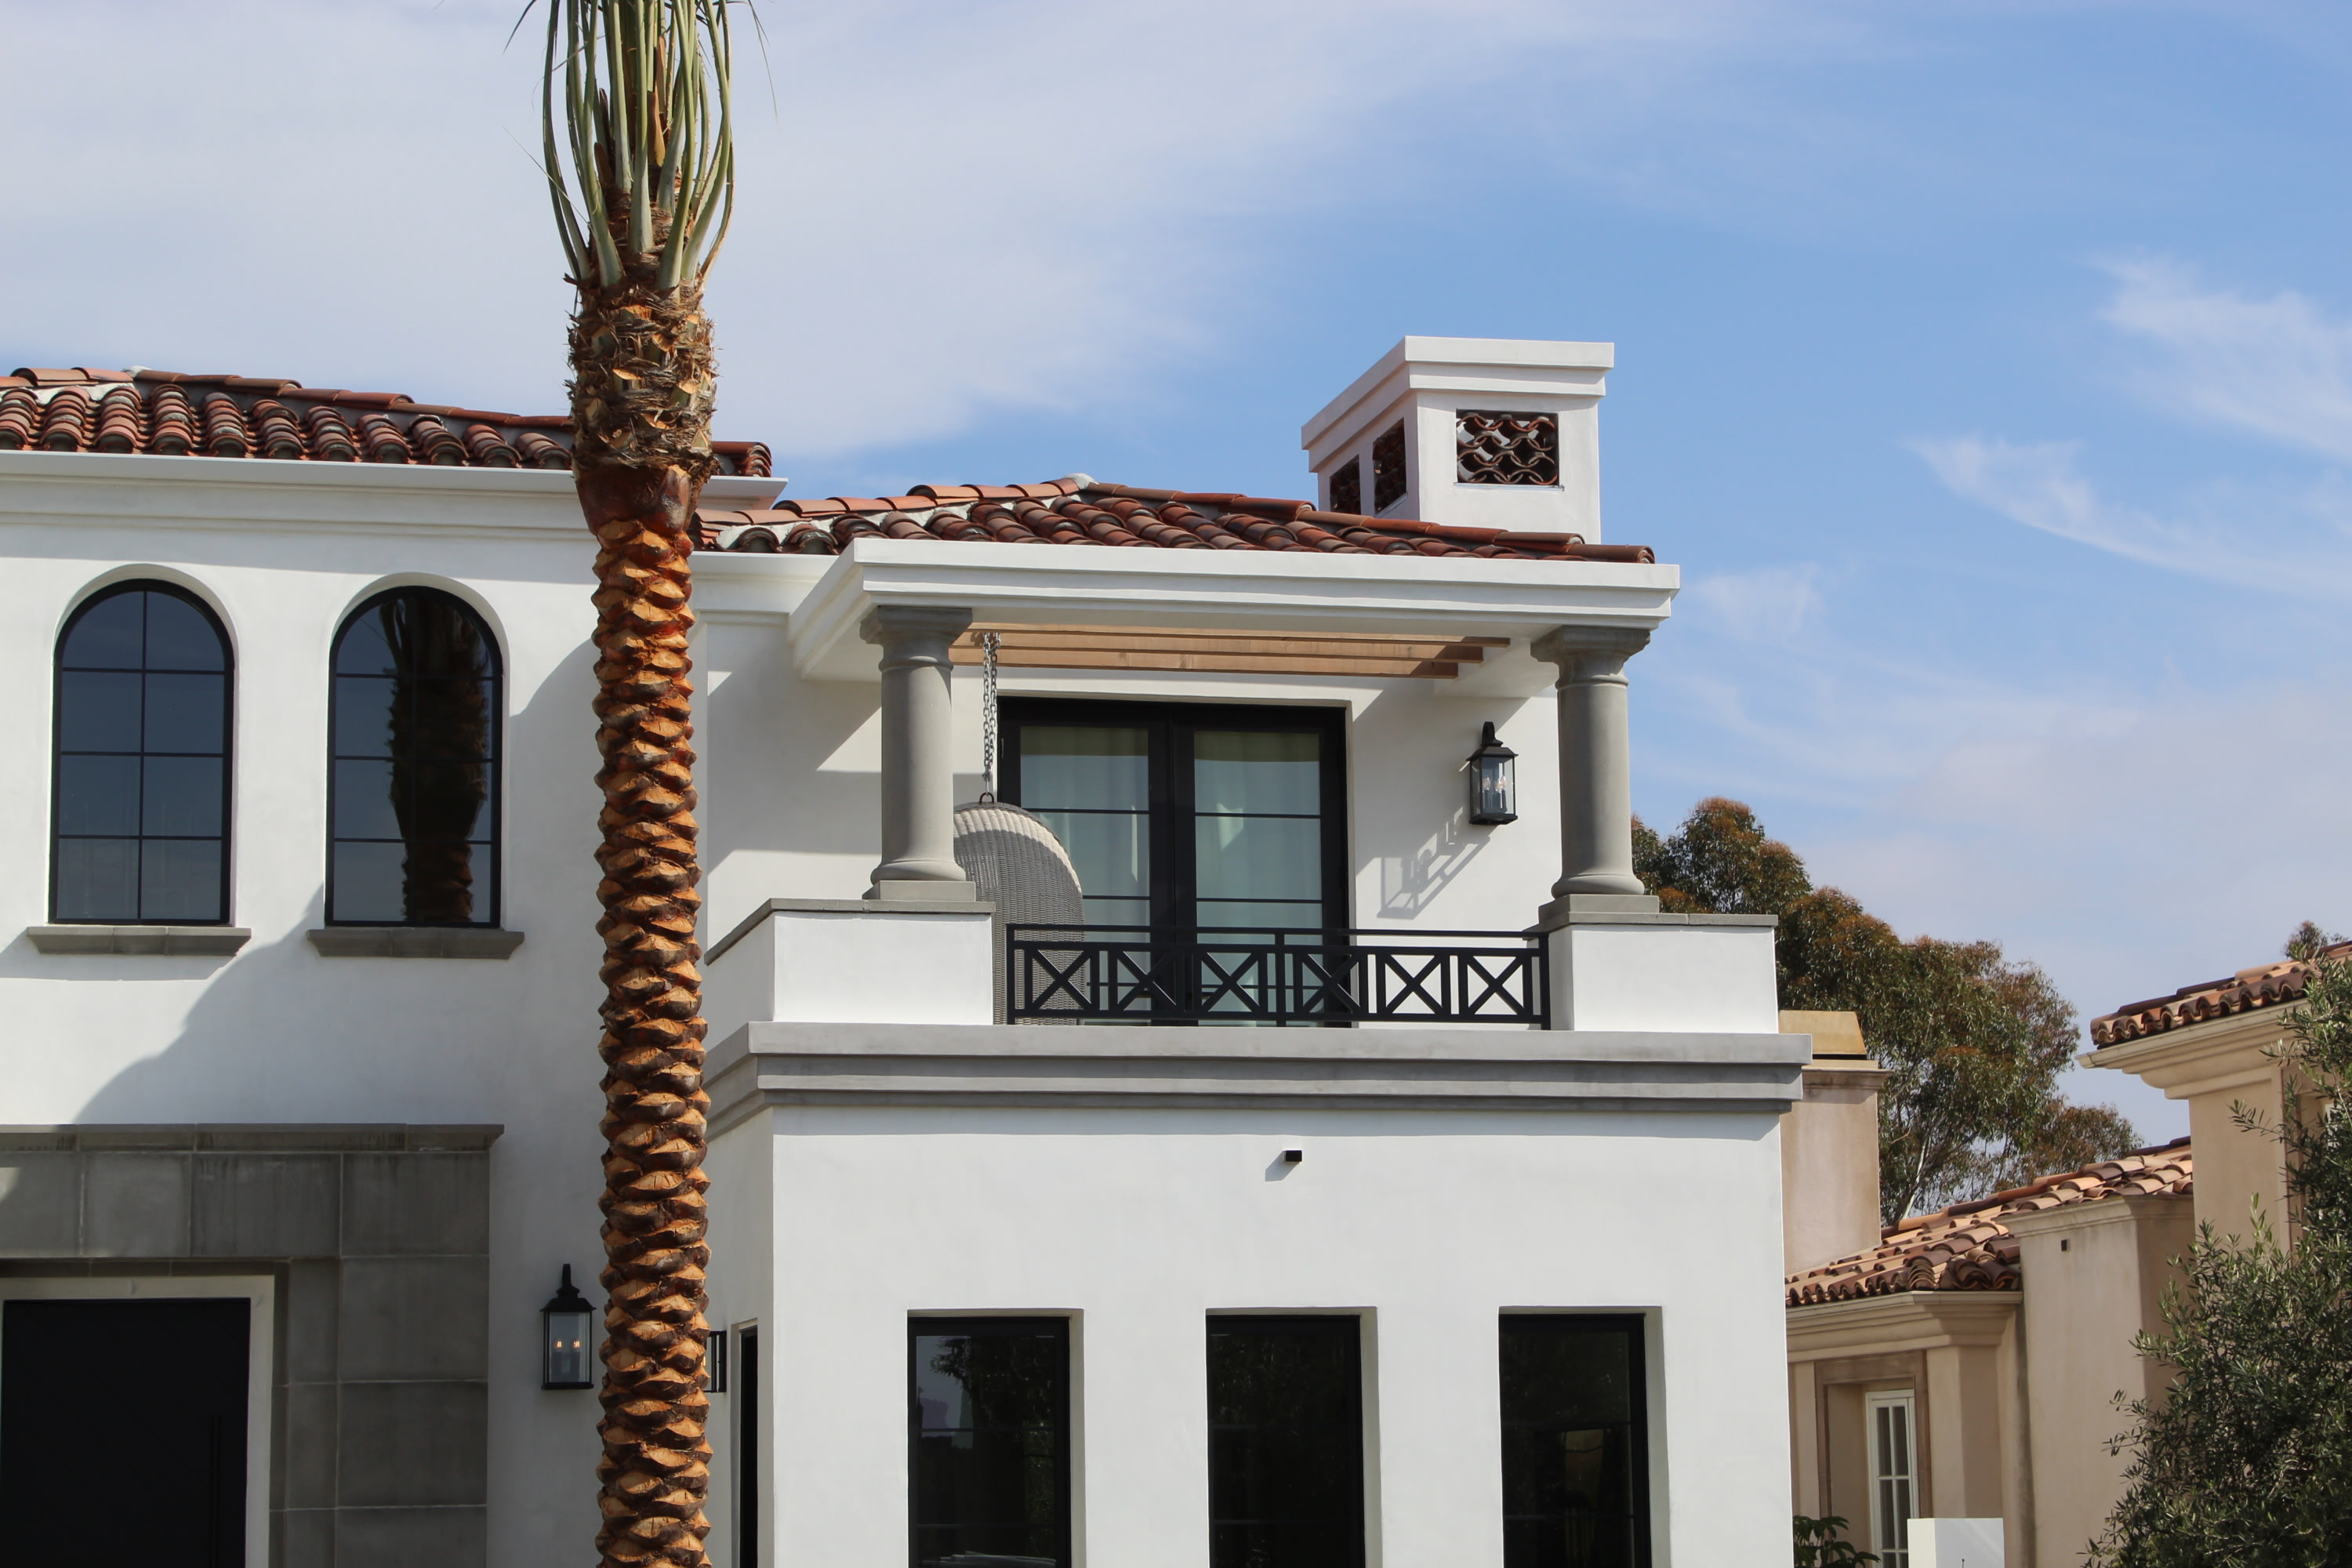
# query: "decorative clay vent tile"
1493, 448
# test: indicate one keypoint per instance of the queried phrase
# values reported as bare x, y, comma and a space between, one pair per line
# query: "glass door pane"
1286, 1443
1574, 1442
1893, 1481
1257, 829
988, 1419
1091, 784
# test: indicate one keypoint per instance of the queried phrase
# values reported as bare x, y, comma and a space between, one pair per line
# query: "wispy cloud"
2295, 542
954, 209
1771, 605
2277, 366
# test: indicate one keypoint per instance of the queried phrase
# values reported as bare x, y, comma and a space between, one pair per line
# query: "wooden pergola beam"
1223, 652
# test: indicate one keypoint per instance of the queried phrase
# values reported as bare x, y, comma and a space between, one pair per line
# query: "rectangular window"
1575, 1444
1894, 1476
1188, 817
988, 1430
746, 1446
1286, 1443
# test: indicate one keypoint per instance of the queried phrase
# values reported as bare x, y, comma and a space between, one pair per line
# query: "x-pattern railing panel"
1153, 975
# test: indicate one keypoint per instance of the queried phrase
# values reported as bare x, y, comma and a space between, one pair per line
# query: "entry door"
1183, 816
127, 1418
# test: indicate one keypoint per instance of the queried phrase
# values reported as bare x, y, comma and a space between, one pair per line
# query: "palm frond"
636, 122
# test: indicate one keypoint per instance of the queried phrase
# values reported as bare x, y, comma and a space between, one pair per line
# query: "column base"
925, 891
1555, 914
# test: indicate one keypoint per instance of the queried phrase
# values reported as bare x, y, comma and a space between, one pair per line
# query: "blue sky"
1986, 367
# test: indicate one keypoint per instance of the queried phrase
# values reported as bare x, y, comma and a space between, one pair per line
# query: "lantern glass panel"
567, 1349
1497, 790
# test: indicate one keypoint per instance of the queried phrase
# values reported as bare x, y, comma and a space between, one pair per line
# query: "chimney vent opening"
1496, 448
1388, 468
1348, 488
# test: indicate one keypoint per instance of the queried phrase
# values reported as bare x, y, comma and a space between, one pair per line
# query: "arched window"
140, 787
415, 791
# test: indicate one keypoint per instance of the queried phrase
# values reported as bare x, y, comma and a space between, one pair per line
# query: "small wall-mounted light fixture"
714, 1361
566, 1323
1294, 1156
1494, 781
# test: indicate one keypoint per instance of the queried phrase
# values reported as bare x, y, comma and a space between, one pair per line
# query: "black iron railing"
1152, 974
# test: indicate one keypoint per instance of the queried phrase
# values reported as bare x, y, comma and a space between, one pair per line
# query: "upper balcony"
923, 946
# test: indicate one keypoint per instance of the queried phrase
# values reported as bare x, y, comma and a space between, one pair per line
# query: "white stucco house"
1375, 1177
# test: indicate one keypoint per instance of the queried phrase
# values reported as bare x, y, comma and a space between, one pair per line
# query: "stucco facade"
886, 1149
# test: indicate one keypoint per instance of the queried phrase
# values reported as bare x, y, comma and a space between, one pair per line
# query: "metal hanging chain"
988, 644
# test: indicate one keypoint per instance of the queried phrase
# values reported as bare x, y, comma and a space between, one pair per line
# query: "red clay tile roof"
1079, 511
167, 412
2264, 986
1966, 1247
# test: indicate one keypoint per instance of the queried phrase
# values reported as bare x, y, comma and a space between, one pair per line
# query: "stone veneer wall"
379, 1239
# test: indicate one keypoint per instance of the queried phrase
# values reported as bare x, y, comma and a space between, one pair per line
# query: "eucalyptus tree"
639, 154
1973, 1041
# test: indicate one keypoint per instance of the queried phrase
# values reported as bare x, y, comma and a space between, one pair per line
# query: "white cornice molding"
1905, 1320
1124, 1067
276, 495
273, 495
1209, 590
1517, 367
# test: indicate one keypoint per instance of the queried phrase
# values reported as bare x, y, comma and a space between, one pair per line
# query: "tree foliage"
1975, 1042
2247, 1460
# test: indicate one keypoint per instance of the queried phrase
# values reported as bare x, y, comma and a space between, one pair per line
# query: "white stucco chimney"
1420, 432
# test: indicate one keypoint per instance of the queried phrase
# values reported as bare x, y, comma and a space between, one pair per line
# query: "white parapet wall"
852, 961
1664, 973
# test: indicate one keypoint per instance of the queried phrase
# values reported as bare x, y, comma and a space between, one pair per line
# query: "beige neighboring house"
1967, 1362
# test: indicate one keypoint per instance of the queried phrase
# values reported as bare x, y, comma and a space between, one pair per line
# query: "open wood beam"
1224, 652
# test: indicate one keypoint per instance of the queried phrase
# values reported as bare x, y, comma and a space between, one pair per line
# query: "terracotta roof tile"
176, 414
1079, 511
2264, 986
1966, 1247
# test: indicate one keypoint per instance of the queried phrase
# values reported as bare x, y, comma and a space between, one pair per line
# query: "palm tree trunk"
641, 409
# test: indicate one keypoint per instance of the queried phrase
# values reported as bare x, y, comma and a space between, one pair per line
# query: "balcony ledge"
761, 1065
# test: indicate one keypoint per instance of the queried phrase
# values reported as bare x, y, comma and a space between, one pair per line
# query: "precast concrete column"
1596, 779
918, 753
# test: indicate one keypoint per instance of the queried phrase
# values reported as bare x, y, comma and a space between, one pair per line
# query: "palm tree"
640, 160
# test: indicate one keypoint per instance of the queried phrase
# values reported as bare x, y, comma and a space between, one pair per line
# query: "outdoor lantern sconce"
565, 1322
1494, 781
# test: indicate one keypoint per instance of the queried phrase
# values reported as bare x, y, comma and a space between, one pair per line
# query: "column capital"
886, 624
1569, 646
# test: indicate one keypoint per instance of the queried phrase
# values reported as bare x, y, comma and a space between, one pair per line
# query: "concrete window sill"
166, 941
414, 942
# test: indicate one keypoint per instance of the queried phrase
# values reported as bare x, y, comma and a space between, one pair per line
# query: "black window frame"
1333, 1325
496, 762
919, 1327
1636, 1328
1175, 891
227, 753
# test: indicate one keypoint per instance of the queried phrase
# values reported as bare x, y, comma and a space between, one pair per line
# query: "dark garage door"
128, 1418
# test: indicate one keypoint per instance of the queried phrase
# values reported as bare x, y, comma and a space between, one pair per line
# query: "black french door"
1186, 816
127, 1418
